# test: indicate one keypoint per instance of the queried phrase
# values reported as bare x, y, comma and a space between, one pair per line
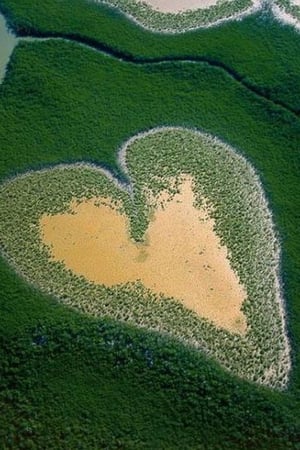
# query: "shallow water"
8, 41
182, 256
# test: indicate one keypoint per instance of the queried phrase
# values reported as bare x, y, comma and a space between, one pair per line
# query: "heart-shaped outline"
260, 356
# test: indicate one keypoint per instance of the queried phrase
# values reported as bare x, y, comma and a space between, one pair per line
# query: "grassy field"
66, 380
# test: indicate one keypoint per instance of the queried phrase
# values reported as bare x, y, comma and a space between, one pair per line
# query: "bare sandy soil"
176, 6
182, 256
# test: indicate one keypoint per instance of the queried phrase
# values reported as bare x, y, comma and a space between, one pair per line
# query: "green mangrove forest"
82, 80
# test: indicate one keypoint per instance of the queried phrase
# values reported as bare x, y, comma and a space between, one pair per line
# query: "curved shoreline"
276, 9
285, 17
239, 15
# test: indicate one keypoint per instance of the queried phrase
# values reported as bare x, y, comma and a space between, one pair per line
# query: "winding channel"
9, 41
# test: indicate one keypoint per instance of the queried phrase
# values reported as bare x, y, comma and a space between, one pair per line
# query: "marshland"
70, 374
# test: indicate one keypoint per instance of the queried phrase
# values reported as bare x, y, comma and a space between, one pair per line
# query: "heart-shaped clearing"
181, 257
202, 245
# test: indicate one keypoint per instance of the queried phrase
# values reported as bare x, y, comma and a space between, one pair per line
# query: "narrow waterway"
8, 41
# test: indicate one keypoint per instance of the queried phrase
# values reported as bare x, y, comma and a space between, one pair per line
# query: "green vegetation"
188, 20
264, 53
290, 7
242, 220
71, 382
61, 102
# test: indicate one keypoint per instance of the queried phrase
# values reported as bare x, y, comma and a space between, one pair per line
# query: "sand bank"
176, 6
182, 256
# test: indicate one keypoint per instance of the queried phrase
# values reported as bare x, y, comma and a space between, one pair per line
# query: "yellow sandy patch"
182, 257
176, 6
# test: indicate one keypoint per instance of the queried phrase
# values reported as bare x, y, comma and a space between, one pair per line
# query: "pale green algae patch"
242, 219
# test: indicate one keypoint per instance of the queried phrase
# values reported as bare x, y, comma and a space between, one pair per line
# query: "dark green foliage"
77, 383
264, 53
62, 103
